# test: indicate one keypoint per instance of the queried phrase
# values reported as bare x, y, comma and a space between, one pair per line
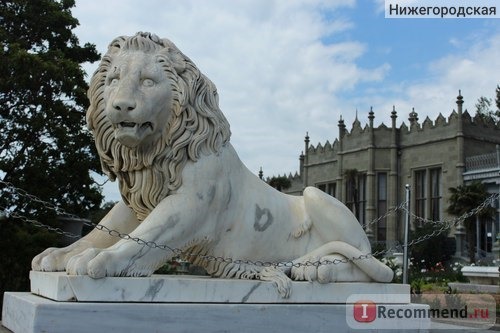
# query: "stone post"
370, 179
340, 153
392, 186
460, 229
306, 161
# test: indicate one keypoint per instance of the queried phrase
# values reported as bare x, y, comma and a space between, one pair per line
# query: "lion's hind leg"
339, 262
280, 279
325, 269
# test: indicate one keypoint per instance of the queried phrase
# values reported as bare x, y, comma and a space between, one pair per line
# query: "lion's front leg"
120, 218
174, 222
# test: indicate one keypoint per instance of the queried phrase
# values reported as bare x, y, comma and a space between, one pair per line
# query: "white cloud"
275, 76
474, 69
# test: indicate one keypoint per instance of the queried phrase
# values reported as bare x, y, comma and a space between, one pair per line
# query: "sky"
286, 67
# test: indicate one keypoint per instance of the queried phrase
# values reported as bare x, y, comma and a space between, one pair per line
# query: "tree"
464, 199
45, 148
280, 183
484, 110
497, 99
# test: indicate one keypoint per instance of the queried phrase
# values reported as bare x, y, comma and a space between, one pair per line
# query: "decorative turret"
394, 116
460, 102
301, 163
460, 140
341, 128
306, 160
413, 117
371, 116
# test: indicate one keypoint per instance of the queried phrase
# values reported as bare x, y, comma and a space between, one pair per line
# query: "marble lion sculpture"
159, 131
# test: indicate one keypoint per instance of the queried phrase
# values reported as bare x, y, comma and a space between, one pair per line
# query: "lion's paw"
98, 263
77, 265
45, 261
282, 282
307, 269
56, 259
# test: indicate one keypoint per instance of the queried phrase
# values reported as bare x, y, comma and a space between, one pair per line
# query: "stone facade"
485, 168
368, 167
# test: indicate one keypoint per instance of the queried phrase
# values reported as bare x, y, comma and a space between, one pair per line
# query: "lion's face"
137, 98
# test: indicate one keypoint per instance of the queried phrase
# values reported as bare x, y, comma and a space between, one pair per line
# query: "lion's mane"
196, 126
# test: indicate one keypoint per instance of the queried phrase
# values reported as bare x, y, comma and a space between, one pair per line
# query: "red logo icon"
365, 311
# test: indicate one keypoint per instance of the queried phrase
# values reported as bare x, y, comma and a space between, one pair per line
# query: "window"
381, 205
428, 194
328, 188
331, 188
361, 209
435, 195
356, 195
420, 189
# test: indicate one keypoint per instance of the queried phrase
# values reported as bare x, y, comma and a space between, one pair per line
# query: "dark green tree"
280, 183
484, 110
497, 98
464, 199
45, 148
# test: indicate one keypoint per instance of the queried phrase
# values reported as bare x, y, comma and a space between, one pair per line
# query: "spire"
371, 116
460, 102
341, 128
413, 116
356, 123
394, 116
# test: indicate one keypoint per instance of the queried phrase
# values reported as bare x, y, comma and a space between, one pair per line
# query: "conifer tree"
45, 148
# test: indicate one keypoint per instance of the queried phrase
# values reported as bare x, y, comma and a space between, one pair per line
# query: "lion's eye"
148, 83
113, 81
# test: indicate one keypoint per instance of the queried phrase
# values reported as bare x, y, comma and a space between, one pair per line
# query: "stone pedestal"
460, 241
195, 304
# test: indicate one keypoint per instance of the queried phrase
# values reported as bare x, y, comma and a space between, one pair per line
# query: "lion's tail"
368, 264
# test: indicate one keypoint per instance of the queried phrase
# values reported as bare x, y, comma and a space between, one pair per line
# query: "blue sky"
284, 67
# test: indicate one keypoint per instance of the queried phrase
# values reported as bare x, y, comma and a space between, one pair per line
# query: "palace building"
368, 169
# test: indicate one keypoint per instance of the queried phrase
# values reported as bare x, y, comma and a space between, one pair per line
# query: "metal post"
405, 244
478, 238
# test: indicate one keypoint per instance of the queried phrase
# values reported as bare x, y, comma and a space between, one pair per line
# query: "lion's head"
151, 110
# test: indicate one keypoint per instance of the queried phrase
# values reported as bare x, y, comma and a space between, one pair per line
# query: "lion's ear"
177, 59
116, 44
178, 62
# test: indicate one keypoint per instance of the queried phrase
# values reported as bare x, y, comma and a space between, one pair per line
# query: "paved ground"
441, 329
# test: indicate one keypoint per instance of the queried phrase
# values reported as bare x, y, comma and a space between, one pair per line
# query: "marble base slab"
28, 313
201, 289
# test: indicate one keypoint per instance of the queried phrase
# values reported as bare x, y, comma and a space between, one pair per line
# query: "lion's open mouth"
128, 124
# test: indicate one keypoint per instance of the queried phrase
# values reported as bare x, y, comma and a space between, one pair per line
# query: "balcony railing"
481, 162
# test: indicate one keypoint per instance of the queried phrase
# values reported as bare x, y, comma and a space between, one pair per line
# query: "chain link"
388, 213
444, 225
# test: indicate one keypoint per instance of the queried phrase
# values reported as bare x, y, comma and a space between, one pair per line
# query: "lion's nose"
124, 103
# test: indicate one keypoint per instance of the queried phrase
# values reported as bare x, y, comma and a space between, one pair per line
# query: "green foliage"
45, 148
44, 145
484, 110
465, 198
497, 99
436, 249
280, 183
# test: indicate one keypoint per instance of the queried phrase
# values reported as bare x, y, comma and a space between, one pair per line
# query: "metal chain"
40, 224
36, 199
445, 225
389, 212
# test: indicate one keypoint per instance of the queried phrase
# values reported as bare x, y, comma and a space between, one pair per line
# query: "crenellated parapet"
368, 148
